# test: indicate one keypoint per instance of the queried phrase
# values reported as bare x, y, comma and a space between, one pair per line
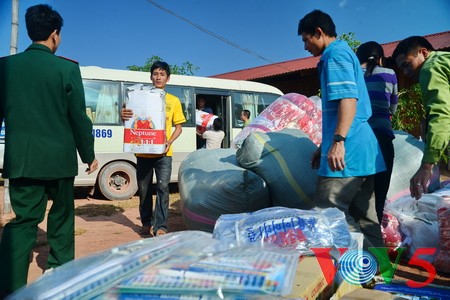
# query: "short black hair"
160, 65
410, 45
41, 20
317, 18
246, 113
217, 124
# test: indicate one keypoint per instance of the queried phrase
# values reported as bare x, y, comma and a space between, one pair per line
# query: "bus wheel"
117, 181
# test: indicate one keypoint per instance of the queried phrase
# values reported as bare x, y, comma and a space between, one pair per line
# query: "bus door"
218, 102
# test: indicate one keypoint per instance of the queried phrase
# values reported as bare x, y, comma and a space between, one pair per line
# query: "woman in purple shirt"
383, 92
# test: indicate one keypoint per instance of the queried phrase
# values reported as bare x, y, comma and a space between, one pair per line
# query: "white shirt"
213, 138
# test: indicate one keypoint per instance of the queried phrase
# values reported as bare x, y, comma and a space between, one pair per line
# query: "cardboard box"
366, 294
146, 131
309, 282
344, 288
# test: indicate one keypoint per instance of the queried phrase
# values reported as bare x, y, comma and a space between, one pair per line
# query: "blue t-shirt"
341, 77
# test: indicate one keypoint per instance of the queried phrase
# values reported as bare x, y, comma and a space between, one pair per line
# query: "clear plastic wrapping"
247, 270
286, 227
90, 276
177, 265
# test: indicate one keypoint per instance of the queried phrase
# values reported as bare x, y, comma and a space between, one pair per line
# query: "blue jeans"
144, 172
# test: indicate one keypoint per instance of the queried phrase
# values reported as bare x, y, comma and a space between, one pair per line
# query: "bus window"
185, 94
254, 102
102, 101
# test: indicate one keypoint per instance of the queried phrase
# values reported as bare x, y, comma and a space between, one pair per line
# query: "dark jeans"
382, 180
144, 172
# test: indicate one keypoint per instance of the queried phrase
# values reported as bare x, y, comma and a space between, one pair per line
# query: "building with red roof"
301, 75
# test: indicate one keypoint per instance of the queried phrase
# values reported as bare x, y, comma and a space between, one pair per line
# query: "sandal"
160, 232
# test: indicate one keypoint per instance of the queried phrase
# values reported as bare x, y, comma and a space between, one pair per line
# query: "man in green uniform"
43, 106
417, 59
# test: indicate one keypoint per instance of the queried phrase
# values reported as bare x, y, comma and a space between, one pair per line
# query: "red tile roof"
438, 40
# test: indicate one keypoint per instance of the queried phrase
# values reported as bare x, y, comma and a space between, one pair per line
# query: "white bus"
105, 91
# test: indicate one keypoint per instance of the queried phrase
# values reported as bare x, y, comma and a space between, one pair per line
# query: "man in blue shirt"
349, 154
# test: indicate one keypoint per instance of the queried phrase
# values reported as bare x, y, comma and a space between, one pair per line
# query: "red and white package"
442, 258
390, 230
204, 119
288, 111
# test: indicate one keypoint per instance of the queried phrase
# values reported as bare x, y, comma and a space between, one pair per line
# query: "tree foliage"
350, 39
186, 68
410, 113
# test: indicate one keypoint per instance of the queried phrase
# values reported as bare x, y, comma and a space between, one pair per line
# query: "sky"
216, 36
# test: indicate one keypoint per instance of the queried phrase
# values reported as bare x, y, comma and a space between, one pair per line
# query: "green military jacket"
434, 83
42, 103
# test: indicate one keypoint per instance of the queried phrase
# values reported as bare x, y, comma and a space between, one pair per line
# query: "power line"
213, 34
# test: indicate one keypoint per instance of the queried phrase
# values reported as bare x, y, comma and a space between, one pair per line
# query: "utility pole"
12, 50
14, 27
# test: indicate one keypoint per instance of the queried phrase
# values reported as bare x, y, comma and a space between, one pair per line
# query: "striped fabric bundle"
282, 159
212, 183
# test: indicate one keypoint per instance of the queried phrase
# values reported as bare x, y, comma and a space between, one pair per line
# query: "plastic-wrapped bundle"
240, 272
204, 119
408, 157
93, 275
417, 221
390, 229
288, 111
442, 258
282, 159
212, 183
300, 229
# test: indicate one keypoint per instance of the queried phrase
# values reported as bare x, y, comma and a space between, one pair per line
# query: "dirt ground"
101, 224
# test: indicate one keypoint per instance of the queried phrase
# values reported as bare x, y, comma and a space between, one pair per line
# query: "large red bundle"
289, 111
442, 258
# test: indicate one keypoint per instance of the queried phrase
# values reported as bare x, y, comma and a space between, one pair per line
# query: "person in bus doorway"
155, 222
40, 156
201, 105
416, 57
213, 137
349, 154
245, 117
383, 92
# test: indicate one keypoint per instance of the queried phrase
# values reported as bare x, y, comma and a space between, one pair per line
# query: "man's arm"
434, 84
175, 134
80, 123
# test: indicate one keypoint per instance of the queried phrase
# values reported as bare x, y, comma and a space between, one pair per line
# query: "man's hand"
168, 143
92, 167
336, 156
418, 183
126, 114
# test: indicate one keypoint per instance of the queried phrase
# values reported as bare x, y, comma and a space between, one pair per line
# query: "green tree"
186, 68
410, 113
350, 39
